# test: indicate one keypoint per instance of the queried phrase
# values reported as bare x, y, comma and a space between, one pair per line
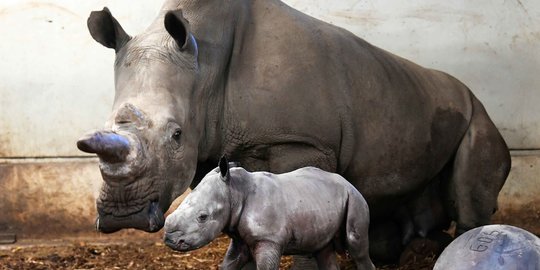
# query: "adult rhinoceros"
276, 90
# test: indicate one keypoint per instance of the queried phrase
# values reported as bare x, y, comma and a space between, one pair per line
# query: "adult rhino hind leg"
481, 165
384, 241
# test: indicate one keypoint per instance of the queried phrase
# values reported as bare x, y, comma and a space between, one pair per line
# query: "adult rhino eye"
202, 218
176, 135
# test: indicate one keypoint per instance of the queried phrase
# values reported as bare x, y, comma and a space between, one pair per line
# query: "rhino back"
387, 121
303, 209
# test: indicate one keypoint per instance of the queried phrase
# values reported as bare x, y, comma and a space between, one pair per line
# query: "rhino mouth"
149, 219
134, 204
175, 241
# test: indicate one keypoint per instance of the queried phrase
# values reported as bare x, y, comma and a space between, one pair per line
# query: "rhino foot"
420, 248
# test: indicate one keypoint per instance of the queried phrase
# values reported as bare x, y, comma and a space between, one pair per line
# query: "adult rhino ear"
224, 169
178, 28
106, 30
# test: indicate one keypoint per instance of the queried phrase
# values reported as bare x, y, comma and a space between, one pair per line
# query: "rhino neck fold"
216, 41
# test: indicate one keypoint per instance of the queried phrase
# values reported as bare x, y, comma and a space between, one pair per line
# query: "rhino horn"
109, 146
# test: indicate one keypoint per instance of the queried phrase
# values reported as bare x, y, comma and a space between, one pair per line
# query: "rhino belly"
316, 213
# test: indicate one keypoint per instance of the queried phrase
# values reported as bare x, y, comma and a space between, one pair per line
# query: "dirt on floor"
134, 251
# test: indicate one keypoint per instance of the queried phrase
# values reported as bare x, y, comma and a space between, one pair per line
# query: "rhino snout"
175, 240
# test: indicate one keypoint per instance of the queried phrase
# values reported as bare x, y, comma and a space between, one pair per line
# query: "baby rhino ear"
224, 168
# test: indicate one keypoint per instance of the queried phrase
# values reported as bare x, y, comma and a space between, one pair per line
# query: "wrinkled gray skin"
306, 211
492, 247
276, 90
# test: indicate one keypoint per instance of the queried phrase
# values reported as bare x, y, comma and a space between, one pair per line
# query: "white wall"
56, 82
492, 46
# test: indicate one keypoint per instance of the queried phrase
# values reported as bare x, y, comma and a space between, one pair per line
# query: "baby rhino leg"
356, 229
267, 255
326, 258
237, 256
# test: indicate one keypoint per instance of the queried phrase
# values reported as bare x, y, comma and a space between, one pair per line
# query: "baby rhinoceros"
307, 211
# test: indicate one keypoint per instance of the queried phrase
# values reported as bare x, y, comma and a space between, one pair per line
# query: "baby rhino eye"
202, 218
